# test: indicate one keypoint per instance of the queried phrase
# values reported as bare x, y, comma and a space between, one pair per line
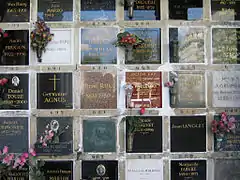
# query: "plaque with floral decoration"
40, 37
27, 163
56, 139
3, 41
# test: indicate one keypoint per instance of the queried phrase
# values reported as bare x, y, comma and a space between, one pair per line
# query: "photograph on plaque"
55, 10
225, 10
100, 170
14, 134
226, 45
188, 170
54, 136
14, 91
54, 91
186, 9
58, 170
147, 89
143, 10
229, 141
225, 89
186, 45
14, 48
97, 46
189, 91
147, 169
226, 169
188, 134
141, 129
99, 135
150, 51
58, 51
100, 10
98, 90
14, 11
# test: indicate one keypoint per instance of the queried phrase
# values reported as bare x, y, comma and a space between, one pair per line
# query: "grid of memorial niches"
106, 11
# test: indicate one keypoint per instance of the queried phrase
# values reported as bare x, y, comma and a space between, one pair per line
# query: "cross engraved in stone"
54, 79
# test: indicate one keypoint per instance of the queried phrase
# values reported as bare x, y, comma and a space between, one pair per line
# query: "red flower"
1, 30
5, 35
4, 80
142, 110
214, 129
223, 114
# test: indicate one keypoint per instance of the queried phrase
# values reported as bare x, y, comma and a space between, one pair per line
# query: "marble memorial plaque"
147, 89
14, 89
185, 9
144, 169
62, 141
14, 174
100, 10
225, 89
184, 127
188, 170
226, 45
150, 51
14, 134
144, 10
54, 91
227, 169
141, 129
186, 45
97, 46
230, 142
99, 136
189, 92
58, 51
14, 50
100, 170
14, 10
55, 10
54, 170
225, 10
98, 90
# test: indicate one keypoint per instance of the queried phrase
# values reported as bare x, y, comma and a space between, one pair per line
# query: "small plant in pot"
40, 37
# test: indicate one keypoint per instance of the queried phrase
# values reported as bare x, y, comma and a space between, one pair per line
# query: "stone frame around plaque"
52, 58
190, 172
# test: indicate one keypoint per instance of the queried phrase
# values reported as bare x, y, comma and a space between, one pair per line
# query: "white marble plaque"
226, 89
58, 51
144, 169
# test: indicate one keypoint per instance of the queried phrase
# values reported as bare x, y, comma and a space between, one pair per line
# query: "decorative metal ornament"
130, 4
54, 125
101, 170
129, 90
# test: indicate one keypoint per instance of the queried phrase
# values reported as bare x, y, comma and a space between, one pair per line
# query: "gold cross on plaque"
54, 79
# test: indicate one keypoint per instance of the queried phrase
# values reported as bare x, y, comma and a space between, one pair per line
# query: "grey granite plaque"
189, 92
225, 87
227, 169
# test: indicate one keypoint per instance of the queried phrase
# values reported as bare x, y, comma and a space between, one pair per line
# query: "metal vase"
129, 53
39, 54
130, 142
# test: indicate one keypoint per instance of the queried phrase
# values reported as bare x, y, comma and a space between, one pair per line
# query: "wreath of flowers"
127, 39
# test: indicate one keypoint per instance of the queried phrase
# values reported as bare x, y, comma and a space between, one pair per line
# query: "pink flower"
15, 165
33, 152
11, 156
169, 84
51, 133
5, 35
44, 144
223, 114
25, 155
6, 160
23, 159
18, 160
5, 150
4, 80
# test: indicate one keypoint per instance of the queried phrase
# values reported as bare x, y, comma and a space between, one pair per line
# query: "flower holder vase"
39, 54
130, 142
129, 53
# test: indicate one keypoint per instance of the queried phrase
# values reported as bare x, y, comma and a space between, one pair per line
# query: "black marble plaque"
150, 51
62, 142
14, 174
14, 93
14, 10
14, 134
14, 50
230, 142
182, 41
227, 169
58, 170
185, 9
188, 170
55, 10
225, 10
100, 170
99, 136
188, 134
226, 45
144, 10
141, 129
97, 46
54, 91
100, 10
